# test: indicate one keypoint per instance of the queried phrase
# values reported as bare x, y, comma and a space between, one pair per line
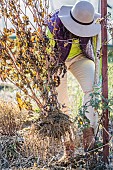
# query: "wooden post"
105, 79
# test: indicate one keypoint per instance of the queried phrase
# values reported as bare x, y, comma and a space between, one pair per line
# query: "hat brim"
76, 28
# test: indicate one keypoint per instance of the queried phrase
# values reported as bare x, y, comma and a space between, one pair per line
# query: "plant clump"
55, 124
29, 61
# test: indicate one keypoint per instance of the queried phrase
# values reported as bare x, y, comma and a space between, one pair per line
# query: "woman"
74, 29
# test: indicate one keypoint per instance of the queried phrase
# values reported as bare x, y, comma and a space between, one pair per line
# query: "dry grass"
11, 118
39, 145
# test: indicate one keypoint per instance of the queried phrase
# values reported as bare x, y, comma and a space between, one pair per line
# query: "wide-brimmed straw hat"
80, 19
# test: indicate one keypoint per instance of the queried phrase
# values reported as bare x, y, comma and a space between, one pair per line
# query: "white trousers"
83, 70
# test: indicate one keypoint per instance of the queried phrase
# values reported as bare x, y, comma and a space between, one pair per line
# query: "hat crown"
83, 12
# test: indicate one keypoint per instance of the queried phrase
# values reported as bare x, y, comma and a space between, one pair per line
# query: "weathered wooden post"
105, 80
